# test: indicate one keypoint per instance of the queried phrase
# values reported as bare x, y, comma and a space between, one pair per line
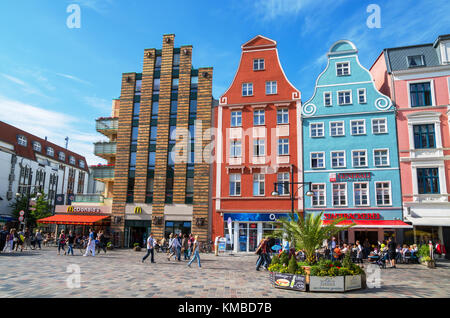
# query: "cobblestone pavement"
120, 273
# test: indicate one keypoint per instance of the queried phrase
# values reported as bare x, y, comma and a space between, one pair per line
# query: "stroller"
381, 261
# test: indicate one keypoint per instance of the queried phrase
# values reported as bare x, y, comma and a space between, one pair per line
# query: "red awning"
73, 219
397, 224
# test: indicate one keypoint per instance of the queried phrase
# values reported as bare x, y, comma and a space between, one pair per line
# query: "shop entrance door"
372, 236
248, 237
137, 235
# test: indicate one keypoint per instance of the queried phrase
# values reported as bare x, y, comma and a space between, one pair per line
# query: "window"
362, 98
283, 146
235, 184
316, 130
258, 117
172, 133
37, 146
158, 61
358, 127
428, 180
72, 160
136, 110
379, 126
175, 82
359, 158
155, 106
192, 107
81, 163
342, 68
247, 89
282, 116
416, 60
327, 99
383, 190
156, 84
258, 184
134, 135
361, 193
236, 119
271, 87
344, 97
381, 157
317, 160
258, 147
173, 107
283, 183
194, 84
424, 136
258, 64
235, 149
339, 194
138, 87
420, 94
337, 128
153, 133
50, 151
338, 159
62, 156
22, 140
176, 61
318, 199
151, 159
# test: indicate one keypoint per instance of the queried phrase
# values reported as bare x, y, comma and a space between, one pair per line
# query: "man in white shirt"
150, 246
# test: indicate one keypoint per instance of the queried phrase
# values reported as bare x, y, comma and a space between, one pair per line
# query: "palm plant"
308, 233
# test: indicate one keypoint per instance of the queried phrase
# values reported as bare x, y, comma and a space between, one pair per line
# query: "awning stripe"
374, 224
73, 219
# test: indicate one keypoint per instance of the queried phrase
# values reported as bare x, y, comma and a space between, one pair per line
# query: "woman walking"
70, 242
9, 241
359, 253
196, 248
62, 242
185, 247
38, 238
172, 251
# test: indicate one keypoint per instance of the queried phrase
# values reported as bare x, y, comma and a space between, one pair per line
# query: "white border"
343, 128
367, 158
356, 120
388, 157
331, 159
368, 194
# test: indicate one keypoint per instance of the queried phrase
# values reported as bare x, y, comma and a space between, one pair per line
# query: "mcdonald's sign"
138, 210
70, 208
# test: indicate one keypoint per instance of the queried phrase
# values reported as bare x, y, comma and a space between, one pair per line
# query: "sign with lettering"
330, 284
288, 281
353, 216
363, 176
352, 282
72, 209
138, 210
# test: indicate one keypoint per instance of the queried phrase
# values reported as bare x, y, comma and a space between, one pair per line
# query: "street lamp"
275, 192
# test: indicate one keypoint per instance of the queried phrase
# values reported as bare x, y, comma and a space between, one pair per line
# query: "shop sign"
352, 282
353, 216
138, 210
256, 217
330, 284
72, 209
363, 176
288, 281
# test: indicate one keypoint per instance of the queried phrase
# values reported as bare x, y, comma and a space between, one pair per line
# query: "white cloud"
14, 79
73, 78
99, 103
100, 6
272, 9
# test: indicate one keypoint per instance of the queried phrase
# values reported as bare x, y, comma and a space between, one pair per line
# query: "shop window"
177, 227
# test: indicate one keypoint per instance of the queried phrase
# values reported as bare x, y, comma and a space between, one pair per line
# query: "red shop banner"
353, 216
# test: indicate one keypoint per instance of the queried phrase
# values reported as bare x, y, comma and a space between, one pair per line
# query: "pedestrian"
332, 246
262, 252
91, 243
179, 239
366, 248
392, 246
38, 238
101, 241
18, 240
196, 252
185, 247
9, 245
3, 235
440, 249
150, 247
62, 242
216, 246
70, 242
190, 244
171, 251
359, 253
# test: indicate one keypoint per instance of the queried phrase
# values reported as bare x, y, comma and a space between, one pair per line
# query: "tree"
43, 208
308, 233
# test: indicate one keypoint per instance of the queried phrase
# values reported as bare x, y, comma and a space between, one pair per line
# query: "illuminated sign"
353, 216
72, 209
138, 210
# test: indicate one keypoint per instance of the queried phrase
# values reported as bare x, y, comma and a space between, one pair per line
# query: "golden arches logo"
70, 208
138, 210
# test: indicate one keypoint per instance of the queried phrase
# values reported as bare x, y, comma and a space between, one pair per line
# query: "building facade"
158, 168
30, 164
258, 135
350, 150
417, 78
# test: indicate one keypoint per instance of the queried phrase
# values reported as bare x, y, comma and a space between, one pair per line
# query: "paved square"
120, 273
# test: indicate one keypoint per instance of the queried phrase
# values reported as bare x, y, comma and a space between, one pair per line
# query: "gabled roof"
259, 42
9, 135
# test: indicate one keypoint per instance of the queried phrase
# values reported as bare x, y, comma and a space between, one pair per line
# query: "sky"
55, 80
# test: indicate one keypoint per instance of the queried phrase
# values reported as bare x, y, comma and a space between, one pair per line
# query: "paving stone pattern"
120, 273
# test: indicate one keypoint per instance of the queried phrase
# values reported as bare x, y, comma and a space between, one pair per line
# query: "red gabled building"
258, 143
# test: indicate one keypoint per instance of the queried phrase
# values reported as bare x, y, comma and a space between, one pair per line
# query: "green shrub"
300, 271
315, 271
337, 264
347, 262
292, 267
284, 259
275, 268
343, 271
136, 245
424, 250
333, 271
275, 260
303, 264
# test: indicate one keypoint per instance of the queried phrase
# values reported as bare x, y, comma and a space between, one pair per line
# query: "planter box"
353, 282
326, 284
137, 249
288, 281
430, 264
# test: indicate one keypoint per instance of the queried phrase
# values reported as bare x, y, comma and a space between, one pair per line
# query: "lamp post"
18, 195
309, 193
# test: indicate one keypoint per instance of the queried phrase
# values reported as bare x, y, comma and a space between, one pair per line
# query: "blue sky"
55, 81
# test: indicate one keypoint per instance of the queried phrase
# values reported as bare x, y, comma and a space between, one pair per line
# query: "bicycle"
206, 248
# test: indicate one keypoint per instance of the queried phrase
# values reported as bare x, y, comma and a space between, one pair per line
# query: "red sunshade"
73, 219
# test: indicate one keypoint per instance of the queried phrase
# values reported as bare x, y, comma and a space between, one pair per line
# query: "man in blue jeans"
196, 253
331, 247
150, 246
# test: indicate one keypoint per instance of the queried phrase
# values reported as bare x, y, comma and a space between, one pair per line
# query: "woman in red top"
62, 242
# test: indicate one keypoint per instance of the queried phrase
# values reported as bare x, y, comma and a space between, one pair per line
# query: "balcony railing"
107, 125
89, 198
105, 149
103, 172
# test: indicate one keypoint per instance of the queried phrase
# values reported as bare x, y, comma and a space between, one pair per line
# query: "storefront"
177, 227
137, 231
248, 229
79, 224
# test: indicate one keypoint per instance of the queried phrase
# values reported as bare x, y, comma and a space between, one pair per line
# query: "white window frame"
385, 124
259, 176
345, 91
331, 99
317, 123
257, 144
282, 180
72, 160
323, 159
421, 57
63, 157
324, 191
271, 86
388, 157
258, 62
235, 181
353, 156
390, 193
279, 144
433, 98
37, 148
343, 128
259, 112
331, 159
364, 91
81, 163
367, 193
345, 193
247, 89
355, 121
284, 112
349, 68
235, 144
48, 152
238, 116
22, 140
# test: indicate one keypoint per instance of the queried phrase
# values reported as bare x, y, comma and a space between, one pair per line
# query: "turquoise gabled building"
350, 150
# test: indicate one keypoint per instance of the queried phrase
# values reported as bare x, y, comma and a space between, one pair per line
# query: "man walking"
91, 243
196, 253
150, 246
331, 247
3, 235
392, 246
